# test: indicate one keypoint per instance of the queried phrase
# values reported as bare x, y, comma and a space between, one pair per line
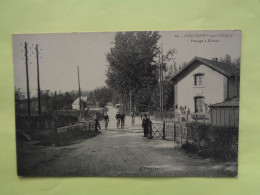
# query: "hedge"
211, 141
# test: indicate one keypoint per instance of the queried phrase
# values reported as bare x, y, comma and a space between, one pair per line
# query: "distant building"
76, 104
118, 105
204, 82
86, 103
109, 104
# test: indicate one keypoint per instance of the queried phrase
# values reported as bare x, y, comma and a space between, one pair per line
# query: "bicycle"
122, 124
117, 122
133, 121
106, 123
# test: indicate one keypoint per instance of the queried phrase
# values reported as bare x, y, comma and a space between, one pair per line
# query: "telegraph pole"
160, 83
162, 88
27, 78
38, 79
79, 90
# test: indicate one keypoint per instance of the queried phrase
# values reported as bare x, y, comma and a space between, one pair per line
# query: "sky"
61, 53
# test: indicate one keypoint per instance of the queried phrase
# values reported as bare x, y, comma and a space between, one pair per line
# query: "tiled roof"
229, 103
223, 68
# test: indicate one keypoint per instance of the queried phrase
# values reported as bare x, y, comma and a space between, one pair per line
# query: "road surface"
115, 152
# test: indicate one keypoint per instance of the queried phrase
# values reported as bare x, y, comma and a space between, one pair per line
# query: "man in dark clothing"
122, 117
95, 118
118, 117
106, 118
145, 125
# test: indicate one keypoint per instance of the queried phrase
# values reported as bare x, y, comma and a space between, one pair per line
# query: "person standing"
97, 125
106, 118
133, 119
145, 125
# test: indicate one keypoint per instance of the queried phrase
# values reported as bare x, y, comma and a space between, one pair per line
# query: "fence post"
196, 118
181, 131
204, 119
187, 117
174, 132
164, 130
187, 134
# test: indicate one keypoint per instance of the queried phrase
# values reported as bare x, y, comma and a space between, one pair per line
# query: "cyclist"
133, 119
106, 118
122, 117
117, 119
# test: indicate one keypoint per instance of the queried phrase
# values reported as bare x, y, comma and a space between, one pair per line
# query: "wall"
214, 89
225, 117
232, 87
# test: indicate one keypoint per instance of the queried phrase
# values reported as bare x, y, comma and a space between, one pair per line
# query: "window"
198, 79
199, 103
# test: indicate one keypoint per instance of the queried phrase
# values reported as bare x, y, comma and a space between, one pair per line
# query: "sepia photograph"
127, 104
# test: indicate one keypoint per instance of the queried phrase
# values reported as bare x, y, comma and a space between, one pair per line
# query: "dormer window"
198, 79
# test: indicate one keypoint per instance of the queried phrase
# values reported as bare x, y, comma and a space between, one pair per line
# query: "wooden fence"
198, 118
179, 117
180, 132
69, 133
57, 130
173, 131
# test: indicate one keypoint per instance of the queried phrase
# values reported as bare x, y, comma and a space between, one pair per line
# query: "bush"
211, 141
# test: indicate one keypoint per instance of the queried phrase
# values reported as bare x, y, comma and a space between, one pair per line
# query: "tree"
19, 97
226, 59
170, 70
19, 94
229, 60
169, 60
103, 95
132, 68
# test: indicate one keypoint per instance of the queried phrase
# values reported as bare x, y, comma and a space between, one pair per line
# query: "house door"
199, 102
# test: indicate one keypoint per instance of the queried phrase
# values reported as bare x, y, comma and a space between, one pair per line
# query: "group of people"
120, 120
146, 123
97, 125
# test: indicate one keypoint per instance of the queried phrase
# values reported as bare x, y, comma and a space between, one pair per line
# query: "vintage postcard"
137, 103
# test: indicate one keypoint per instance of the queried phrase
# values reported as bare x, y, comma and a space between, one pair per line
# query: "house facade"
204, 82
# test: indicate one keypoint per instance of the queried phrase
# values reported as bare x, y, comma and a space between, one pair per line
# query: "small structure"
75, 104
225, 114
109, 104
118, 105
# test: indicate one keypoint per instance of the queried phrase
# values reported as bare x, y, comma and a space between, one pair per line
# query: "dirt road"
122, 153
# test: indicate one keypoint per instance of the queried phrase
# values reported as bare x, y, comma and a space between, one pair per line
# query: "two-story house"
204, 82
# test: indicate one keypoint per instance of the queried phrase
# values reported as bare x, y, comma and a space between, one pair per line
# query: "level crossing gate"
168, 130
